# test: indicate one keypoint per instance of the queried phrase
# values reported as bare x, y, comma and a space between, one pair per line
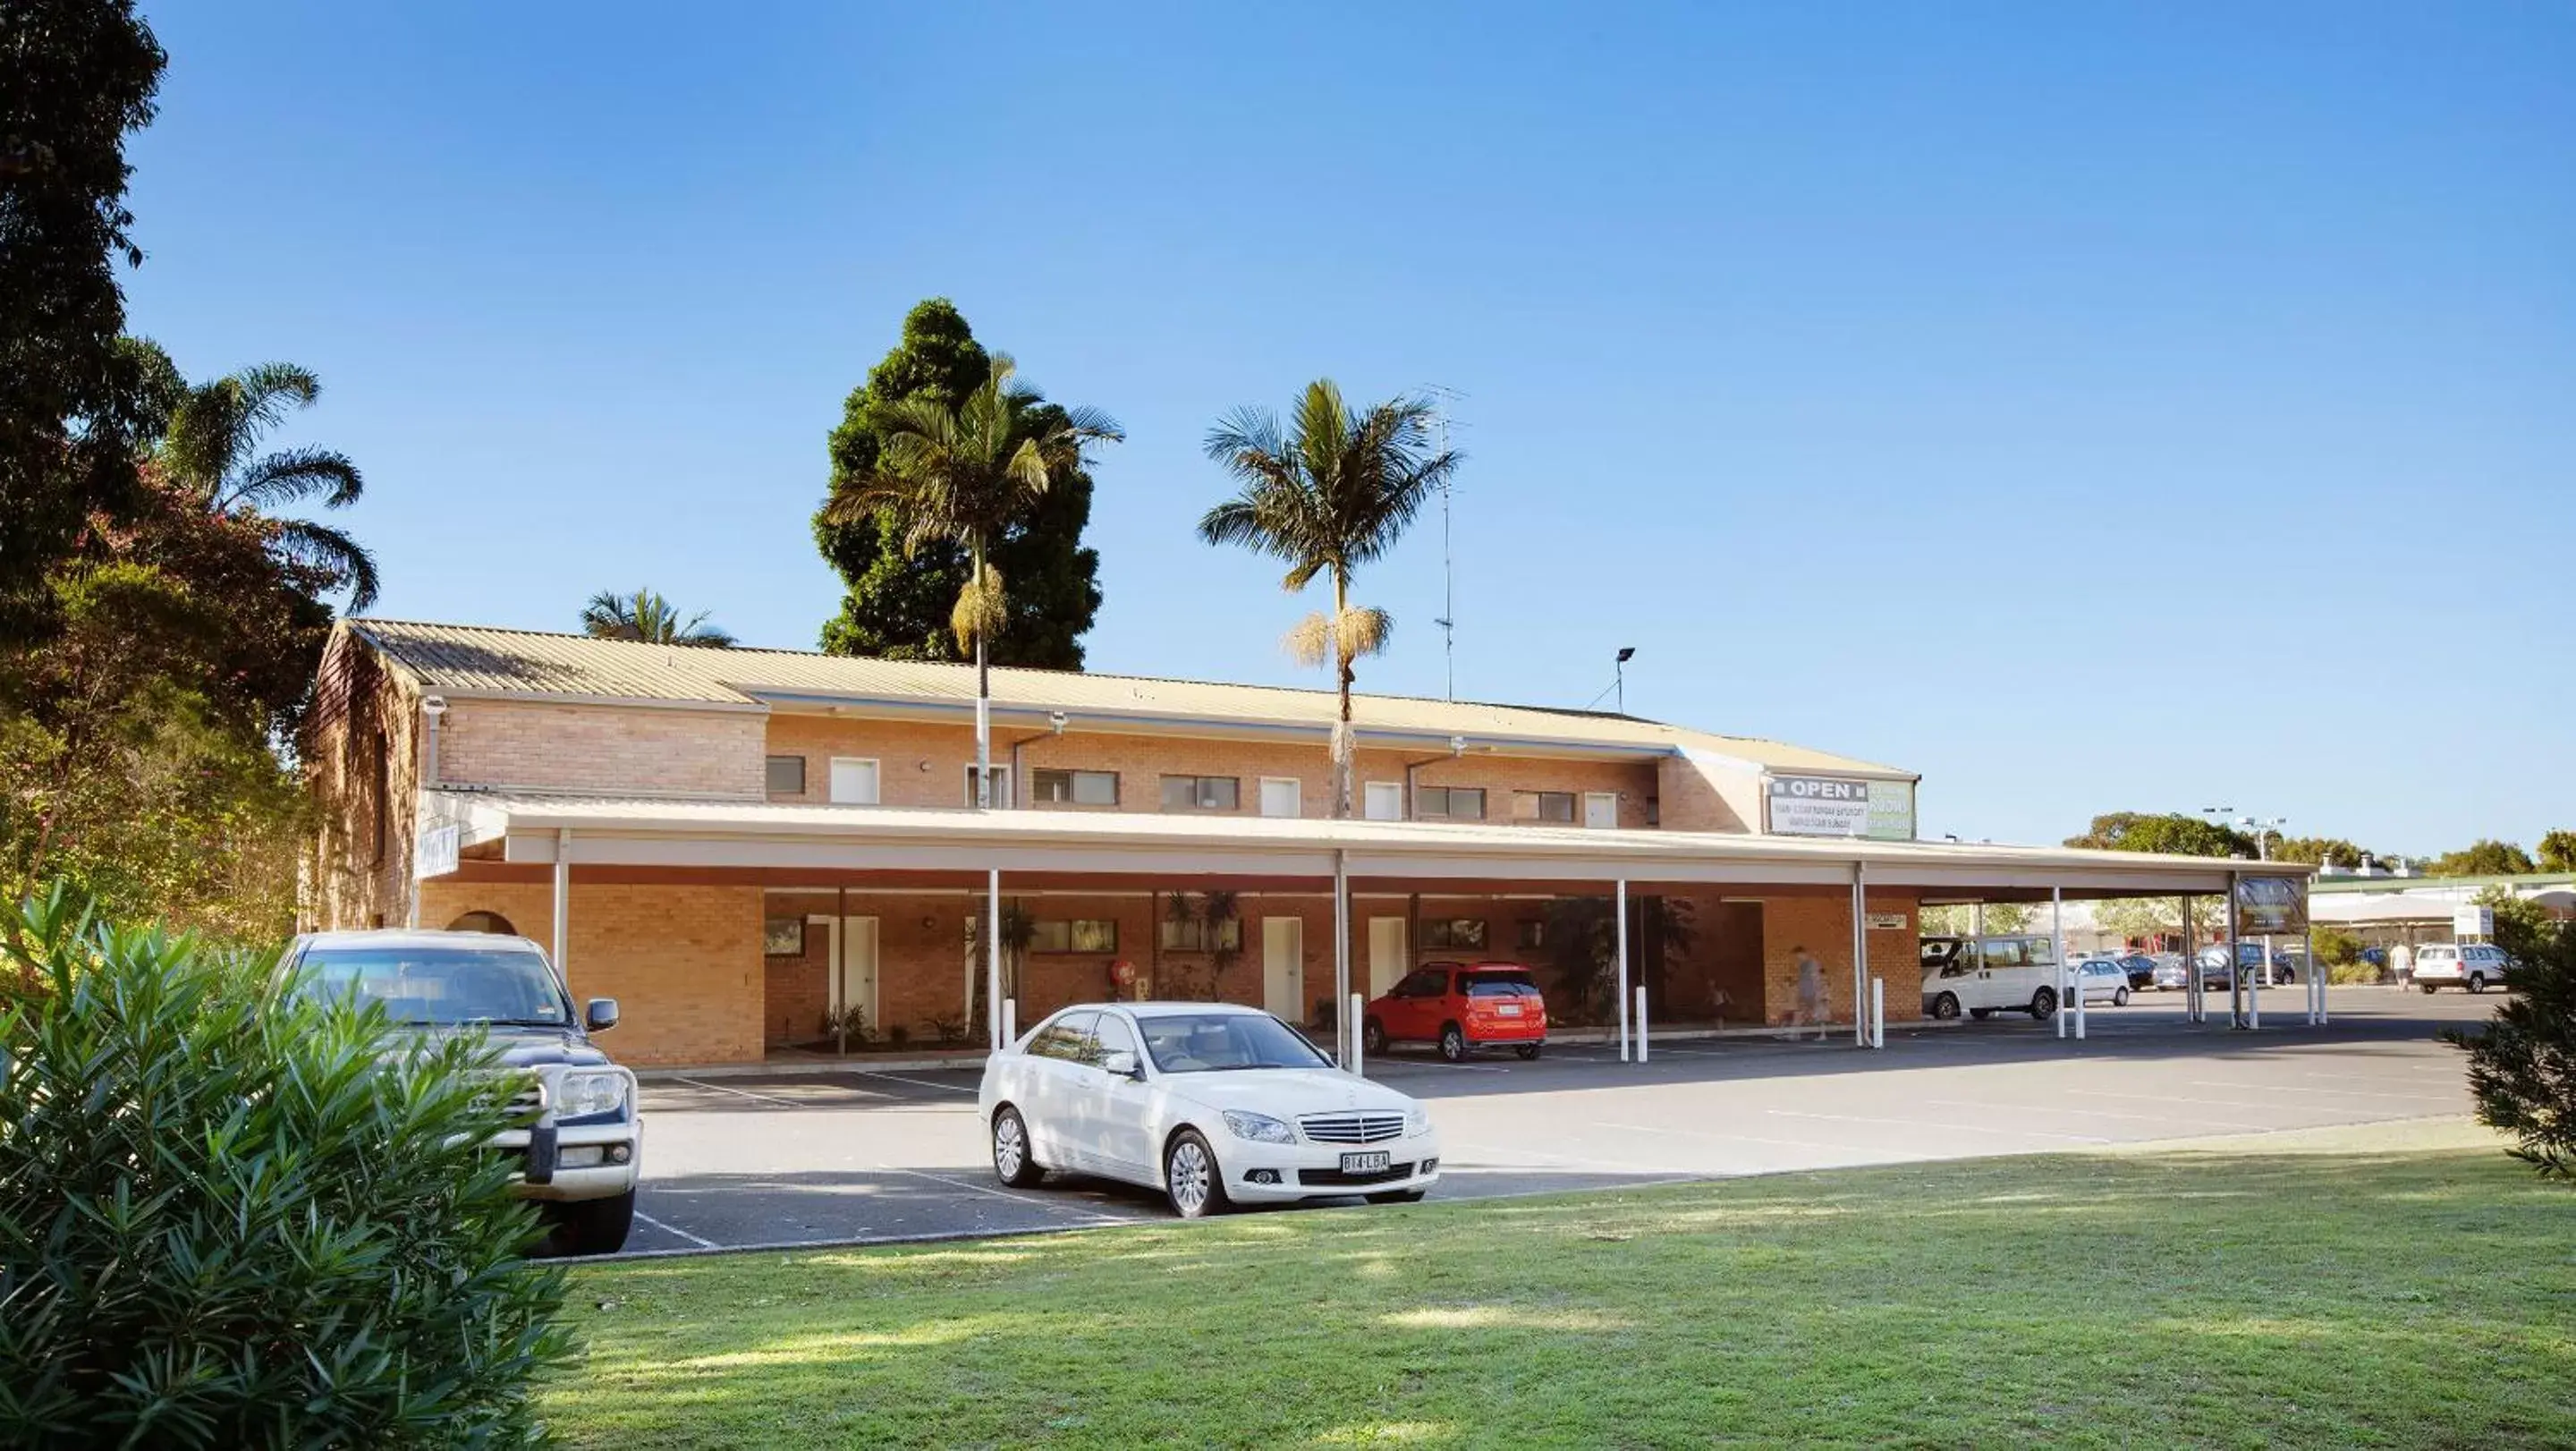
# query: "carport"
660, 901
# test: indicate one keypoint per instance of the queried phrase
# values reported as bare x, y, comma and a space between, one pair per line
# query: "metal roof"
470, 660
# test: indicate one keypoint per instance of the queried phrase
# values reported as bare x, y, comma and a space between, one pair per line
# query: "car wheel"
2120, 998
2477, 982
2043, 1005
1527, 1051
1398, 1196
1191, 1178
1946, 1006
1373, 1037
1453, 1042
2427, 987
595, 1226
1015, 1163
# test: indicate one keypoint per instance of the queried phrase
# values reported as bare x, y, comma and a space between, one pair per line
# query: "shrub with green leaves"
2522, 1065
231, 1216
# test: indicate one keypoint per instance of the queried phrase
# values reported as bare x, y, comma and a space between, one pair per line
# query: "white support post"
2254, 989
2316, 978
1010, 1021
1641, 1022
993, 1027
2235, 962
1357, 1005
1346, 1026
1860, 953
1621, 911
2190, 967
563, 905
2057, 932
1878, 1012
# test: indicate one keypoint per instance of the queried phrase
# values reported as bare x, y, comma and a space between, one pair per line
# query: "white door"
1601, 809
1382, 801
1279, 796
1386, 954
850, 972
854, 781
1113, 1106
1283, 967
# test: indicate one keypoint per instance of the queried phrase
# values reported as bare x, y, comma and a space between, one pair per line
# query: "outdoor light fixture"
1055, 721
1457, 745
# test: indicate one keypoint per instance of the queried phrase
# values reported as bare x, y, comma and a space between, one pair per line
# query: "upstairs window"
1382, 801
1449, 803
787, 775
1074, 788
1202, 793
1552, 807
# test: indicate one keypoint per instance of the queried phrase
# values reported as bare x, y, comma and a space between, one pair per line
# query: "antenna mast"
1448, 621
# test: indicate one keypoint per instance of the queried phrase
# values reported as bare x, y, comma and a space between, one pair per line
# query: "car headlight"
580, 1095
1417, 1120
1259, 1126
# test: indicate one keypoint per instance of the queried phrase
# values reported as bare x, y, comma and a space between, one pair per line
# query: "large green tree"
1331, 490
646, 616
211, 448
2558, 851
2169, 832
2483, 858
2321, 851
900, 600
75, 77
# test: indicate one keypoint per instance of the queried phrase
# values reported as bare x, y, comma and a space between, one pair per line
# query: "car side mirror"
1119, 1063
599, 1014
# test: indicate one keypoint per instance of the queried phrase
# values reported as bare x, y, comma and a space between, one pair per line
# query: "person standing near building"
2401, 963
1811, 994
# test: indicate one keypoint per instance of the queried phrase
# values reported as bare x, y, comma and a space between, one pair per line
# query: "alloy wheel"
1186, 1175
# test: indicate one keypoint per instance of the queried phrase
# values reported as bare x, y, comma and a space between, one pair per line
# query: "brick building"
738, 843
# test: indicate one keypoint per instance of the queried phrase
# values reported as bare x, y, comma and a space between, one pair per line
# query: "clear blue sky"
2086, 406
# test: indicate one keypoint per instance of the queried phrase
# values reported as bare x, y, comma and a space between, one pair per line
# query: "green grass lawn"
2398, 1287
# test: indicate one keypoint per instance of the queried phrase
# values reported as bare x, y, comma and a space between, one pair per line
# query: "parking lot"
787, 1159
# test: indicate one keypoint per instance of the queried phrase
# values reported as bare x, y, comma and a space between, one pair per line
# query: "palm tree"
212, 449
1334, 492
965, 474
648, 617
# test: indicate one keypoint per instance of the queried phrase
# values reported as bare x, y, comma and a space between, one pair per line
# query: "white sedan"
1210, 1103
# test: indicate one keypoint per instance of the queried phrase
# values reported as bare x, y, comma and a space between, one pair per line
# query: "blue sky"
2089, 407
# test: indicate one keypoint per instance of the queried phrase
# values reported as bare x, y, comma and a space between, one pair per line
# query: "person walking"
1811, 994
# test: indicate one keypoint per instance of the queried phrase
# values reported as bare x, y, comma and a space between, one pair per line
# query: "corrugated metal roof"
474, 658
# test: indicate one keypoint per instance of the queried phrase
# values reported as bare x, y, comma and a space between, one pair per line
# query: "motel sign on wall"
1839, 806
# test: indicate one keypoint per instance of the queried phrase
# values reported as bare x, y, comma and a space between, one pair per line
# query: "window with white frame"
1001, 784
1281, 796
1202, 793
1553, 807
854, 781
1382, 801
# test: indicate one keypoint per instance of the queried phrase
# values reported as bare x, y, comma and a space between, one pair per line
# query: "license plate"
1364, 1163
1508, 1010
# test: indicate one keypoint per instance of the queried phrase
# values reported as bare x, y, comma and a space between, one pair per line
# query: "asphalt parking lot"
851, 1155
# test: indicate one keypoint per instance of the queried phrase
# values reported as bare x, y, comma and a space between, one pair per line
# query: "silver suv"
2474, 965
580, 1157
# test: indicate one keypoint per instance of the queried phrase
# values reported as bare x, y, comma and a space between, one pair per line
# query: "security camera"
435, 705
1055, 721
1457, 745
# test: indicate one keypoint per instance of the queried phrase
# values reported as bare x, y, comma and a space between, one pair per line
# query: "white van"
1985, 975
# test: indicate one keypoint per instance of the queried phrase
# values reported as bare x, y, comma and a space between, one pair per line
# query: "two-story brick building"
739, 843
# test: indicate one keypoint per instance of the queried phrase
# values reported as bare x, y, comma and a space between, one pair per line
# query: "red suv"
1461, 1008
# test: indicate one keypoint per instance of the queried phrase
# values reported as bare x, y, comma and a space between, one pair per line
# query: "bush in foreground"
233, 1217
2522, 1066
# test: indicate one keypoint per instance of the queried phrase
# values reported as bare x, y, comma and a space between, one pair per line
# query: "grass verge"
2399, 1286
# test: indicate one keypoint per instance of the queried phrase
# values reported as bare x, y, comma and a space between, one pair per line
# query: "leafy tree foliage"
2127, 917
2168, 832
1958, 920
901, 602
75, 77
211, 449
2321, 851
233, 1216
1333, 489
648, 617
2522, 1065
2483, 858
2558, 851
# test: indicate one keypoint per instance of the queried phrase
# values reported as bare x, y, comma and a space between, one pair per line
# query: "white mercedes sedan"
1211, 1103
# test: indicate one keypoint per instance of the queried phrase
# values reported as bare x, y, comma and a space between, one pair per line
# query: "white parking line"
1916, 1123
743, 1093
675, 1229
922, 1082
2163, 1098
2192, 1122
1758, 1139
2346, 1093
1449, 1160
1039, 1200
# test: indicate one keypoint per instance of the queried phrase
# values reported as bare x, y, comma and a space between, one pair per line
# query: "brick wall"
1703, 793
609, 749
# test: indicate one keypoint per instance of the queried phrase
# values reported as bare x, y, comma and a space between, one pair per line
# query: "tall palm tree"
648, 617
212, 448
1334, 491
965, 474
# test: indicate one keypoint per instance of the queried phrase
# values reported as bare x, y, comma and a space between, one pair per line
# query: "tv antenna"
1441, 398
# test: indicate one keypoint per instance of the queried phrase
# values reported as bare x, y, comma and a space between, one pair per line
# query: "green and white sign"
1840, 806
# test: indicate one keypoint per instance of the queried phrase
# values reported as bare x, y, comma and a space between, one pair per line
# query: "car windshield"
1509, 984
1212, 1042
440, 985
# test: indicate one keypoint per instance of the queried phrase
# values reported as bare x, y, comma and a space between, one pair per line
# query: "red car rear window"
1500, 985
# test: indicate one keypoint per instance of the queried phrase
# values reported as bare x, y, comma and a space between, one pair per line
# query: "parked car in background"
2214, 970
1209, 1102
1460, 1008
2172, 974
2475, 966
2104, 980
1982, 976
2141, 970
582, 1146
